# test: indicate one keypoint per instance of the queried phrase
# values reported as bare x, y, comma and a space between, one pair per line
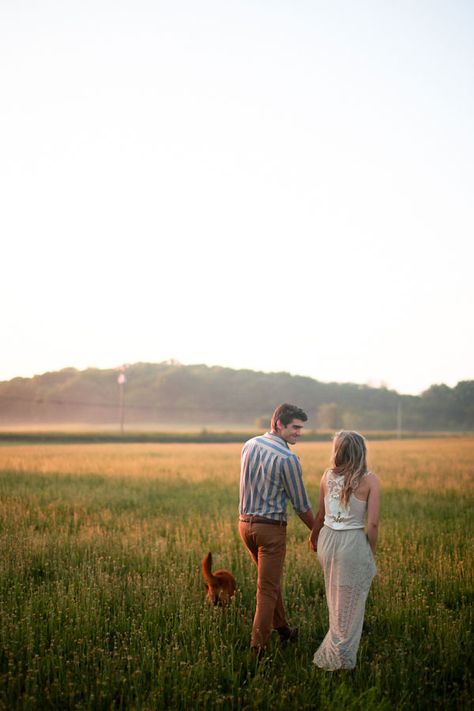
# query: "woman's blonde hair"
349, 458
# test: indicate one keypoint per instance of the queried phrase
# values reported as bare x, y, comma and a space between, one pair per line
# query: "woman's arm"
373, 510
319, 519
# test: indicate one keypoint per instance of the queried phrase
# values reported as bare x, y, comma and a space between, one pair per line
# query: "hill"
157, 393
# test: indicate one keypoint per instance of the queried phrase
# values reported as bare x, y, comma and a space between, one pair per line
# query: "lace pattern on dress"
334, 493
349, 567
335, 486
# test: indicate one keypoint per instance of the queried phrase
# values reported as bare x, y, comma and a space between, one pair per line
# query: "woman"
348, 491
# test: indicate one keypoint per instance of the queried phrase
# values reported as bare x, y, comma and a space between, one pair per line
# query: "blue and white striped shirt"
270, 474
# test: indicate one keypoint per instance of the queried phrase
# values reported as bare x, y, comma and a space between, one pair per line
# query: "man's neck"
277, 434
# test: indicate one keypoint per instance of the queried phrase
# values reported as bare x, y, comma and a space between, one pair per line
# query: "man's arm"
319, 520
292, 478
307, 517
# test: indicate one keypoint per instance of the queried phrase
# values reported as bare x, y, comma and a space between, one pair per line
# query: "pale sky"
282, 185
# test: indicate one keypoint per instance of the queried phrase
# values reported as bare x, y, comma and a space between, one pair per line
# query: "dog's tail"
209, 578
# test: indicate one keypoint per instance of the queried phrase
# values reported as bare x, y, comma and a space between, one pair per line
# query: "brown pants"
267, 546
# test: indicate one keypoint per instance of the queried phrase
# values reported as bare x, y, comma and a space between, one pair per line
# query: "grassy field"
102, 603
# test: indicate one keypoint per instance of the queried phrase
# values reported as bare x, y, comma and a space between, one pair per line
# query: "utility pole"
399, 419
121, 380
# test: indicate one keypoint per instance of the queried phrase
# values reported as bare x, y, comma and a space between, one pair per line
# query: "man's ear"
278, 425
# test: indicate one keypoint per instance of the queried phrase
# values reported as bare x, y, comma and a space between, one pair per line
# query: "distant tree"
157, 392
330, 416
439, 407
464, 399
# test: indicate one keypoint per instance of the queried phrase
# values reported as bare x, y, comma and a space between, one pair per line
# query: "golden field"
103, 607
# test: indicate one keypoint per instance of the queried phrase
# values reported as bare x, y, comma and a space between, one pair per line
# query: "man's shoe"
287, 633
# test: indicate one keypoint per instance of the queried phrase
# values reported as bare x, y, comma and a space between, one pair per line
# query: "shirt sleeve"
292, 478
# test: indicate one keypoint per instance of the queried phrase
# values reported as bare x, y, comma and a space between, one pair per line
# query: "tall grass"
102, 604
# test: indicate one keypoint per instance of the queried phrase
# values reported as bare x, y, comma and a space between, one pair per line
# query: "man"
270, 475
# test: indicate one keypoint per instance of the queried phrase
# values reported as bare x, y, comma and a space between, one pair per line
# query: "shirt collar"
272, 435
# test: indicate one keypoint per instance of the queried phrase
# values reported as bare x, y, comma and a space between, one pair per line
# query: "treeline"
172, 393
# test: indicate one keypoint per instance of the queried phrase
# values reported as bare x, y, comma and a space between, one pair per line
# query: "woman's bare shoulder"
372, 479
324, 480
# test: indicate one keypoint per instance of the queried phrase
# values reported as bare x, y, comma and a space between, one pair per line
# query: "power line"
114, 406
76, 403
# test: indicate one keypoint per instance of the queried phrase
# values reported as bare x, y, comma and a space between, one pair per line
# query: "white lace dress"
349, 567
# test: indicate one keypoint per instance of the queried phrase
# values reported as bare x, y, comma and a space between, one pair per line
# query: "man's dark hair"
286, 413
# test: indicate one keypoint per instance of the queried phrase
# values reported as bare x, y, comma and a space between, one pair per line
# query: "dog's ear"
206, 586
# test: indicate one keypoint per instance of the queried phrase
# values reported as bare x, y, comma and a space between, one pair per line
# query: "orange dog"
220, 585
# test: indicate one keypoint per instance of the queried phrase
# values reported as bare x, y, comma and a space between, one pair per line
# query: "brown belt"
261, 519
